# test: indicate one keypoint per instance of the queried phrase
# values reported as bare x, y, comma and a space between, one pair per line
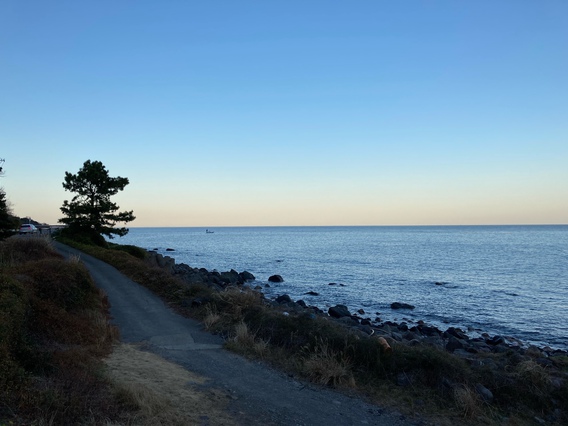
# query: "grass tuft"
327, 367
468, 401
246, 342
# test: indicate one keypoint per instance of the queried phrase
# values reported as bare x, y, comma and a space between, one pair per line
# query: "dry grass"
533, 374
16, 250
533, 380
468, 401
327, 367
238, 300
159, 392
212, 317
149, 408
246, 342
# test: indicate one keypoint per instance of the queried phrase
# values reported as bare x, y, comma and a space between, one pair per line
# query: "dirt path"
187, 367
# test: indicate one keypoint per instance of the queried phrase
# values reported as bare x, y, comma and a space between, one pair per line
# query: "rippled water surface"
510, 280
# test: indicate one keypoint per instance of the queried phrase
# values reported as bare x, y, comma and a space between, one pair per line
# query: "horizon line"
350, 226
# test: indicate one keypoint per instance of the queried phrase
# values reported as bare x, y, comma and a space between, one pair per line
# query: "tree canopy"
91, 213
8, 223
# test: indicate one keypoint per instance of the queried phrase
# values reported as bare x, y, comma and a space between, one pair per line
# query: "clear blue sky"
226, 113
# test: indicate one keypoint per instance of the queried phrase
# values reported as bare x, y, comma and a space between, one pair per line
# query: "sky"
285, 113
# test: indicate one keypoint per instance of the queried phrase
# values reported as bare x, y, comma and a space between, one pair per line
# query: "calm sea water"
509, 280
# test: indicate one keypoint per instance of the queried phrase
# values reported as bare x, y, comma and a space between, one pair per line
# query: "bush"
137, 252
83, 237
20, 250
68, 285
53, 330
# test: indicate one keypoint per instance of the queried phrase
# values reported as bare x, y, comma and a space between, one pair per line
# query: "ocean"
506, 280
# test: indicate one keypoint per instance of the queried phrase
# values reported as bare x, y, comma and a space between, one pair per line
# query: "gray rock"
283, 299
453, 344
397, 336
495, 340
366, 329
247, 276
428, 330
484, 393
399, 305
455, 332
276, 279
231, 277
163, 262
349, 321
339, 311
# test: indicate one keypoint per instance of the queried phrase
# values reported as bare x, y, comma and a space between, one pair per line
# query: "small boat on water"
207, 231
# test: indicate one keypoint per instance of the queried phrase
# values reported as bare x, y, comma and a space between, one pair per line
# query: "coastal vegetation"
442, 382
53, 333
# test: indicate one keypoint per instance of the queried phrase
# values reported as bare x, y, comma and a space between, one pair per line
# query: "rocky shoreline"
476, 351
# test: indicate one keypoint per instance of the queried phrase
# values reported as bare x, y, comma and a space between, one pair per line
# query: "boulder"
399, 305
348, 321
283, 299
276, 279
495, 340
231, 277
454, 344
484, 393
456, 332
365, 328
247, 276
163, 262
428, 330
339, 311
312, 293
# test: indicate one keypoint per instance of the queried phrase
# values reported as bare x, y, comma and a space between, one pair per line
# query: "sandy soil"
166, 393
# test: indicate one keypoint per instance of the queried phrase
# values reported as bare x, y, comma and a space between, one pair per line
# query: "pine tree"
91, 214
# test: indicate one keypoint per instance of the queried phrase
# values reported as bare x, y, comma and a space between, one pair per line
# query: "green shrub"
82, 237
137, 252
